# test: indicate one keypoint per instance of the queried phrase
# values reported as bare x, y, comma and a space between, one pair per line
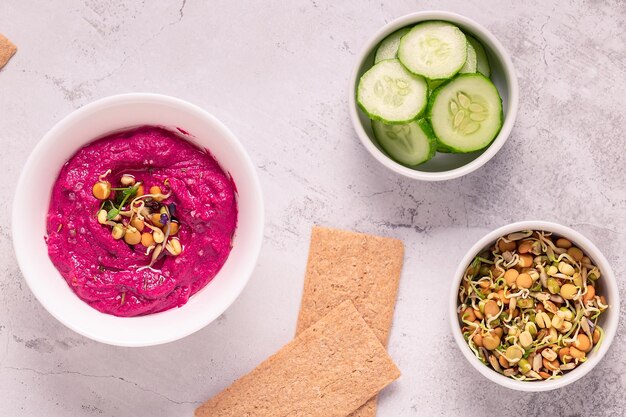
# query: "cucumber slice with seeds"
482, 62
470, 63
389, 93
434, 50
409, 144
465, 113
388, 48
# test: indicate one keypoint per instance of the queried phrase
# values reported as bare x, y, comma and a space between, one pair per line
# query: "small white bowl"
607, 287
443, 166
32, 200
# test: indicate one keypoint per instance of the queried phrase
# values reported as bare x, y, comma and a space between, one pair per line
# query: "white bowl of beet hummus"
138, 219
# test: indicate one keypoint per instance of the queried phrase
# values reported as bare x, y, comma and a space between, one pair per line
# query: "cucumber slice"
389, 93
388, 48
434, 50
470, 63
410, 143
482, 62
465, 113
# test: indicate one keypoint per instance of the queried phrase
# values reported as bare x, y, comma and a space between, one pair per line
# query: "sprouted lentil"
529, 306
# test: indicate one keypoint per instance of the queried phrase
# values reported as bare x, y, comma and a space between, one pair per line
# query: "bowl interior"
31, 206
443, 162
605, 286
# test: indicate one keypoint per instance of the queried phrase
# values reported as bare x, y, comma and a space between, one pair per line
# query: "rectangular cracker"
7, 50
329, 370
359, 267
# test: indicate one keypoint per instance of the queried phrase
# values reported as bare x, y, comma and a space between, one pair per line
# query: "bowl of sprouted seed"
534, 306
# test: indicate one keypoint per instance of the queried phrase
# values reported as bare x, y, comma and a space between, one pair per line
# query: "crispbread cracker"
7, 50
363, 268
329, 370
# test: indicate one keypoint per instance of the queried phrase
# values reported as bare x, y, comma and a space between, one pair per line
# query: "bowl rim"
509, 118
609, 282
90, 110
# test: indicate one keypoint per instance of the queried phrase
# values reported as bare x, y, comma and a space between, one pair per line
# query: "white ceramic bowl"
442, 166
32, 201
608, 319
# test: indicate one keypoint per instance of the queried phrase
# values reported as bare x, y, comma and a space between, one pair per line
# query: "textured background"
276, 73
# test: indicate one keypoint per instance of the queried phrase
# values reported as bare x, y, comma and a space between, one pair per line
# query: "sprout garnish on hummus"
140, 220
144, 220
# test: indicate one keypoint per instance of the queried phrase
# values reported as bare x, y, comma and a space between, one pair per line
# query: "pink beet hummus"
106, 273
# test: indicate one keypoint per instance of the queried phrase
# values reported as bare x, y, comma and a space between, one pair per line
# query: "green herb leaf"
111, 214
120, 199
132, 193
126, 194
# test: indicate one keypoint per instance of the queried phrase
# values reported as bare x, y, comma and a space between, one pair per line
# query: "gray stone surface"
276, 73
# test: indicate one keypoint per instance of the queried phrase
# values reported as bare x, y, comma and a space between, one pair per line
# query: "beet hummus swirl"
121, 276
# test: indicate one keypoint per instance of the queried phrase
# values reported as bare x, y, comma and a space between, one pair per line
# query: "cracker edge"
7, 50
